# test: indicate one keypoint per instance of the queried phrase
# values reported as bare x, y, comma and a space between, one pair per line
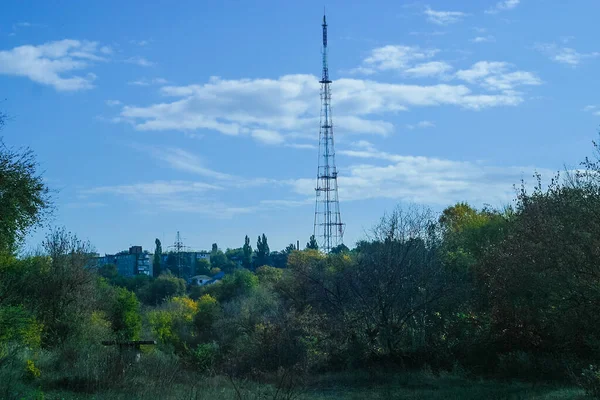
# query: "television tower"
328, 229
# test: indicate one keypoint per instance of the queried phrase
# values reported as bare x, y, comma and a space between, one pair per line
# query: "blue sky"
153, 117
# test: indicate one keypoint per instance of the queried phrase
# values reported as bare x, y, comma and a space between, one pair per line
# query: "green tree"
219, 260
312, 243
125, 315
239, 283
108, 271
165, 286
247, 260
62, 286
24, 198
156, 262
202, 267
262, 252
208, 312
268, 275
541, 281
342, 248
278, 259
235, 255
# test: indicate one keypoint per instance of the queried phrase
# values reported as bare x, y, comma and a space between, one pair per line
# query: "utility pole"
178, 247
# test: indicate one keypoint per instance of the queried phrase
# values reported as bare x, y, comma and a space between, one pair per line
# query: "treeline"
510, 293
227, 261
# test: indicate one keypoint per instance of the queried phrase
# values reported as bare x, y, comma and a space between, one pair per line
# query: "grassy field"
335, 387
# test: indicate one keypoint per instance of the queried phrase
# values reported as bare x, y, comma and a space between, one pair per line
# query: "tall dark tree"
289, 248
247, 260
312, 243
157, 258
262, 251
24, 198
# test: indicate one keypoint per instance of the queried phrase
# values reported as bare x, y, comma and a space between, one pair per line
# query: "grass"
416, 385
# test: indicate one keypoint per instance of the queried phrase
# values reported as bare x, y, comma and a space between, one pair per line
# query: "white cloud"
290, 105
307, 146
141, 61
421, 125
483, 39
147, 82
503, 6
594, 109
183, 160
363, 144
393, 57
424, 180
444, 17
432, 68
112, 103
564, 55
53, 63
140, 42
173, 196
153, 188
494, 75
480, 70
267, 137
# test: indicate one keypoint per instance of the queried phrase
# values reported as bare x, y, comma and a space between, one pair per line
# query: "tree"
262, 252
162, 288
312, 243
541, 280
24, 198
235, 255
202, 267
278, 259
289, 248
62, 286
219, 260
341, 248
125, 315
108, 271
247, 260
157, 259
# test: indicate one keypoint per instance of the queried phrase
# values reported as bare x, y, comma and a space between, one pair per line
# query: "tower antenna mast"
328, 226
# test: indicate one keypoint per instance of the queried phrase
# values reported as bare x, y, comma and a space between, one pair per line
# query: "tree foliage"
157, 260
312, 243
262, 252
247, 249
24, 197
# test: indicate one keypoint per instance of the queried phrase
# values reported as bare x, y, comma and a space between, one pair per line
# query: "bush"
589, 380
204, 356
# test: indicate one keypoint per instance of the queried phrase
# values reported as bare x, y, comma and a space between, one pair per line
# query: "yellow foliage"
186, 307
206, 301
31, 371
301, 258
99, 319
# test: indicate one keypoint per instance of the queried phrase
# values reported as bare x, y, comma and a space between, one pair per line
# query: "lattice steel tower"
328, 229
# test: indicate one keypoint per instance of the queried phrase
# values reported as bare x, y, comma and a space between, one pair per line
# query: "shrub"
589, 380
204, 356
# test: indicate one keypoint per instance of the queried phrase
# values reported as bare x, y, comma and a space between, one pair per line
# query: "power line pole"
178, 246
